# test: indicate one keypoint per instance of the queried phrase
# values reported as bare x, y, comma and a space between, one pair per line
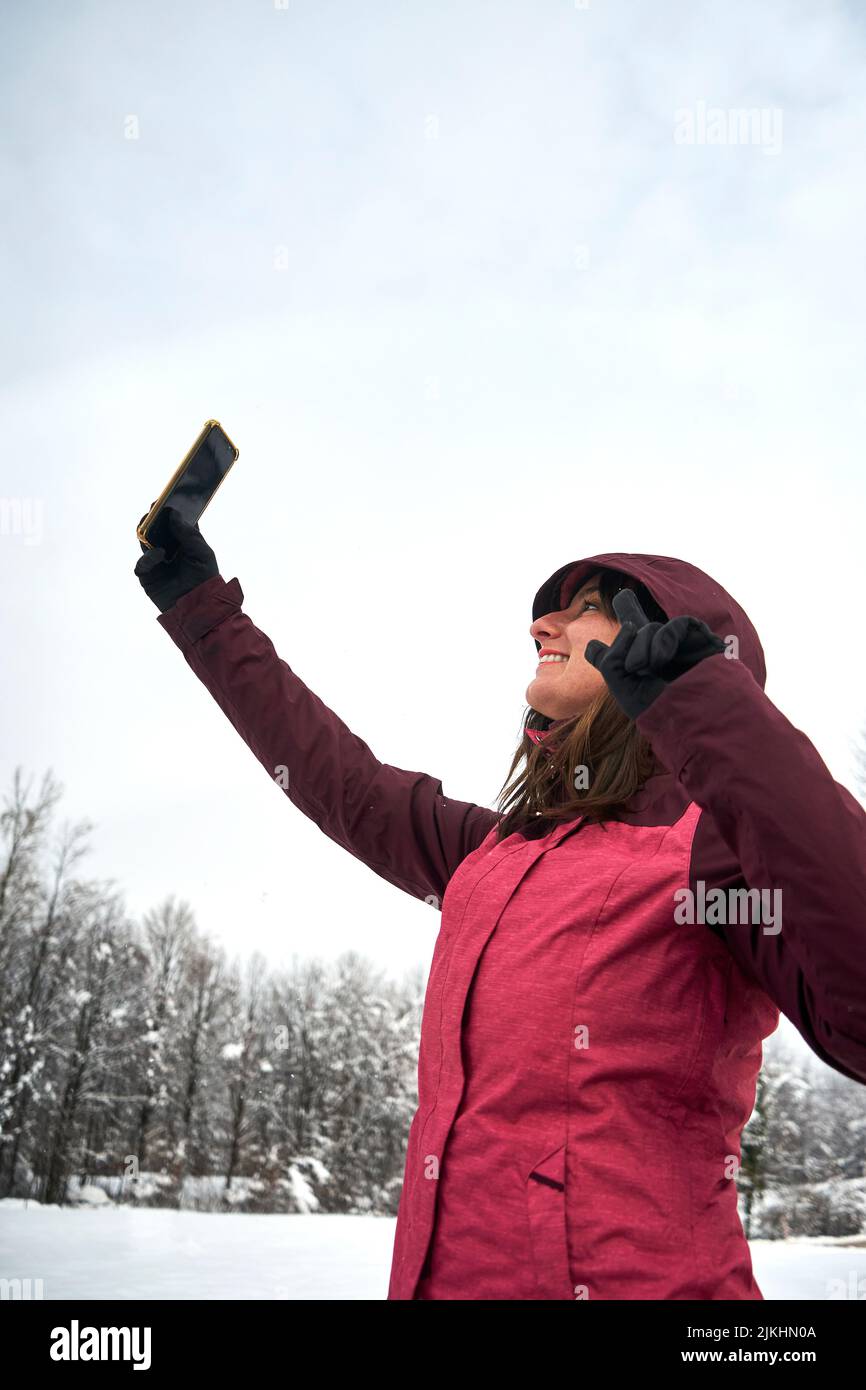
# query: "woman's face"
564, 688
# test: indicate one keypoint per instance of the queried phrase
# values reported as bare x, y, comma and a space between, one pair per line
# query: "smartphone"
191, 487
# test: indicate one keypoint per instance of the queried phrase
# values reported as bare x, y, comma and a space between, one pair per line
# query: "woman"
601, 982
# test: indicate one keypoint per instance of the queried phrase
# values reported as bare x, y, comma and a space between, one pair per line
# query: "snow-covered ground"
124, 1252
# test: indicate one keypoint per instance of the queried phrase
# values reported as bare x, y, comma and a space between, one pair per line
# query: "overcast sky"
476, 291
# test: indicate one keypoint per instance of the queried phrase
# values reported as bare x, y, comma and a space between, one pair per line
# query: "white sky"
518, 323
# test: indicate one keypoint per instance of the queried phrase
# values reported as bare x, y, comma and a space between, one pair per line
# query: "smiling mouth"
543, 665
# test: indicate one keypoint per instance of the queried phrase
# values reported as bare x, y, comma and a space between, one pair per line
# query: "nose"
546, 626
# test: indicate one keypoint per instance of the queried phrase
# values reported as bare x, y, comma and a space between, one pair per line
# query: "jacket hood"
678, 587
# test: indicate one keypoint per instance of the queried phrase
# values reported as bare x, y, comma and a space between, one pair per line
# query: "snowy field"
121, 1252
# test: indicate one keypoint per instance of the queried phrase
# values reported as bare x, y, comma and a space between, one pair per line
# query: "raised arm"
396, 822
776, 806
791, 827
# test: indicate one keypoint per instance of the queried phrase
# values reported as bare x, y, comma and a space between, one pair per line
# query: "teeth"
554, 658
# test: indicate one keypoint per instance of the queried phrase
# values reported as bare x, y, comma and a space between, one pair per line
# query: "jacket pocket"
544, 1186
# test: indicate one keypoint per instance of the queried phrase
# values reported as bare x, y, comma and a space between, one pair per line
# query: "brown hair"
601, 739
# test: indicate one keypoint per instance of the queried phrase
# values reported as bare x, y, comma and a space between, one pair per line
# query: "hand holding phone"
177, 558
192, 562
191, 487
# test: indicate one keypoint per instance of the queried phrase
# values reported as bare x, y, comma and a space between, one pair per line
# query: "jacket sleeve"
791, 827
396, 822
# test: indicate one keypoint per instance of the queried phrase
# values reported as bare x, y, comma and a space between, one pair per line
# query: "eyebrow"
585, 593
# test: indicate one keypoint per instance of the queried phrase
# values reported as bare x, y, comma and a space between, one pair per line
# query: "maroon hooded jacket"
590, 1046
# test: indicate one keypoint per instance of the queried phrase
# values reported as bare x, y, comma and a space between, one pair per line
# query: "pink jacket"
588, 1060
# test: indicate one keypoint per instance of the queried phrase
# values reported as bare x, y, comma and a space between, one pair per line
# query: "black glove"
165, 581
644, 657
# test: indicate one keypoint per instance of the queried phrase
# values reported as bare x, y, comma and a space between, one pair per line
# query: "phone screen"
195, 486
